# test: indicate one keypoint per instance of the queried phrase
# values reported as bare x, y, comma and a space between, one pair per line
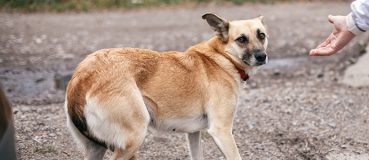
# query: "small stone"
332, 125
320, 75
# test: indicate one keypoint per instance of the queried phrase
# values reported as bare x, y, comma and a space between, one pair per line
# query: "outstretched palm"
339, 37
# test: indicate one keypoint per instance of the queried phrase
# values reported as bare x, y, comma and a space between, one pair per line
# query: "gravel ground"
295, 107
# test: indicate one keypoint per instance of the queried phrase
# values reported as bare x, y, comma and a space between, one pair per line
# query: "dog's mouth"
246, 62
260, 63
254, 63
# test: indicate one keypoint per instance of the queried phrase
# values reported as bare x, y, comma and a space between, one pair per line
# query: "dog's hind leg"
122, 124
134, 137
94, 151
124, 119
125, 154
194, 141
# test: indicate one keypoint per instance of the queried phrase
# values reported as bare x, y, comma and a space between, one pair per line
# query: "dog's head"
244, 39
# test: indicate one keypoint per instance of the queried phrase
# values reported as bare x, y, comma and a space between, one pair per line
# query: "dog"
116, 94
7, 138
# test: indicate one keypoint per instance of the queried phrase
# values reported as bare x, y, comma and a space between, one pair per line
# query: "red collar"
244, 76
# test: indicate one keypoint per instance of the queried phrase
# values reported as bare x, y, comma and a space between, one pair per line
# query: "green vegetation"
362, 48
85, 5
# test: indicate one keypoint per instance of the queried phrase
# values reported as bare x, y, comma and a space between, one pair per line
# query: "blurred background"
88, 5
295, 107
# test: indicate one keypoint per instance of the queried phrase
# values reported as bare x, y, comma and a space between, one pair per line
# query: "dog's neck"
218, 46
214, 49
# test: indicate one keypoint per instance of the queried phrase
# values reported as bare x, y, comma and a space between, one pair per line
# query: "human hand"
339, 37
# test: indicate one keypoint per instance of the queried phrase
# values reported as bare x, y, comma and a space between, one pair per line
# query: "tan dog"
116, 94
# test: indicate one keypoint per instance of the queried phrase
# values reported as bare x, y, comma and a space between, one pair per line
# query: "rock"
357, 75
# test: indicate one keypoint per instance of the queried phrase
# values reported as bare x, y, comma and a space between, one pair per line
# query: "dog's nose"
260, 56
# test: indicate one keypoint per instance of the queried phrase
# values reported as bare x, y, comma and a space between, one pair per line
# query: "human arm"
344, 29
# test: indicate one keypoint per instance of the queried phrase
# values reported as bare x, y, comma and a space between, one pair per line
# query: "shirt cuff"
351, 25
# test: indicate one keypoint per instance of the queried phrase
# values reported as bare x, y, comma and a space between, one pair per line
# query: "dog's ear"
219, 25
261, 18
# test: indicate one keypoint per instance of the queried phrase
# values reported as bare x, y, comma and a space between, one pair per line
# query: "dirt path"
293, 108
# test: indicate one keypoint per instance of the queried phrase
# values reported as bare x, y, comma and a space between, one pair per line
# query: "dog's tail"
76, 122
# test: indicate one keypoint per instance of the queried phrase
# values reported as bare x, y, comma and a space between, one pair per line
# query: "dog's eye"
261, 36
242, 39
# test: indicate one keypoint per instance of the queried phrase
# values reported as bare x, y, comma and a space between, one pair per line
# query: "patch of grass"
352, 60
362, 48
86, 5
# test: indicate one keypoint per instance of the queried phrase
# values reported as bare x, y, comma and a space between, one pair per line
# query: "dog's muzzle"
257, 58
260, 57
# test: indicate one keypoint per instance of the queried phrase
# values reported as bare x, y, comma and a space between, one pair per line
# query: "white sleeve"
360, 14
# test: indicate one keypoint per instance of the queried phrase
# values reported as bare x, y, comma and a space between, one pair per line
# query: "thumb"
331, 19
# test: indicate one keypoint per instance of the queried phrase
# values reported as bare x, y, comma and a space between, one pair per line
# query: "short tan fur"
116, 94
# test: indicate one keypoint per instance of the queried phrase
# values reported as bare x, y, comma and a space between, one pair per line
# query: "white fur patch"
100, 126
235, 50
265, 44
187, 125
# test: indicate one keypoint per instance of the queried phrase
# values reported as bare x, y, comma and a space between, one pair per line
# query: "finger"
312, 52
323, 44
326, 51
327, 41
331, 19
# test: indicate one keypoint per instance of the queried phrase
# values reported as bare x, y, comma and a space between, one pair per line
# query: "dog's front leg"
194, 140
220, 128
